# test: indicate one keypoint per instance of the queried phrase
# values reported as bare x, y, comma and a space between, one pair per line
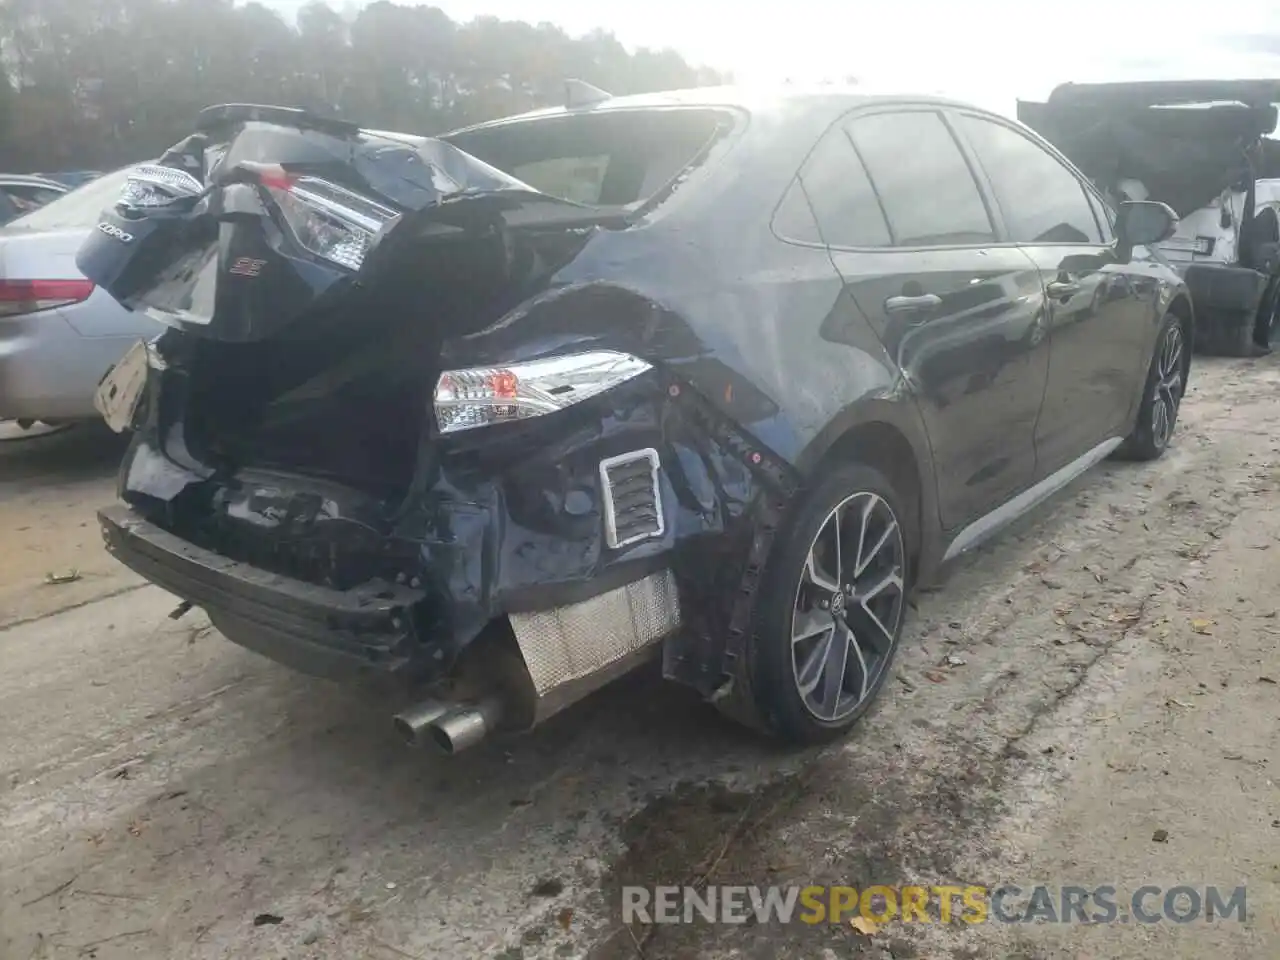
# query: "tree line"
96, 84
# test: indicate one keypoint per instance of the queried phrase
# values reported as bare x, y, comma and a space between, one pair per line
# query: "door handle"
1061, 289
905, 304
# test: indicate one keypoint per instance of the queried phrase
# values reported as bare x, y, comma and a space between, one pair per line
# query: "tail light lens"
151, 185
483, 395
19, 297
328, 220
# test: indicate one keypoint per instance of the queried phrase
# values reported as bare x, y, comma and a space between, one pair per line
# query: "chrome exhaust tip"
461, 729
412, 724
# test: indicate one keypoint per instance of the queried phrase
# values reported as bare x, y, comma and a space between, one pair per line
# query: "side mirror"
1143, 223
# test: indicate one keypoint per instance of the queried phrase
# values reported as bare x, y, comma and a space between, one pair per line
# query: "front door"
1097, 331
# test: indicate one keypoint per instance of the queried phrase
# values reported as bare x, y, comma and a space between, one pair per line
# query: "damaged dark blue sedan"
704, 376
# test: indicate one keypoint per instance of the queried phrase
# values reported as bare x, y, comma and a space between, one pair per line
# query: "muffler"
412, 723
461, 728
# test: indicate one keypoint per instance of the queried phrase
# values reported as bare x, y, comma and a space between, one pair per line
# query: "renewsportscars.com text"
1008, 903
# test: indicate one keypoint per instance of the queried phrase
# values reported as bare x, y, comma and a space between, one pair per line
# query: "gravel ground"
1104, 671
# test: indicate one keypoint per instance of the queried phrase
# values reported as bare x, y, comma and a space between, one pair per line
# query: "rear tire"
831, 607
1161, 395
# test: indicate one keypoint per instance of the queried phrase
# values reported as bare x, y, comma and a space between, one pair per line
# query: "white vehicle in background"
59, 334
1201, 147
20, 194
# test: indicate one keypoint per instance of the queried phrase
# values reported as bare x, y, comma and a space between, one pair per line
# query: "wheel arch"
887, 436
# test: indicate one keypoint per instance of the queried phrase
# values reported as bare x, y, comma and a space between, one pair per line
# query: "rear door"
960, 313
1097, 333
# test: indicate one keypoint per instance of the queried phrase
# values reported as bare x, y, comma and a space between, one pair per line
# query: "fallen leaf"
864, 926
1201, 626
263, 919
1160, 836
62, 576
934, 676
564, 918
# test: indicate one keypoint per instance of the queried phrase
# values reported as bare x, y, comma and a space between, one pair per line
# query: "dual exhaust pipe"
449, 726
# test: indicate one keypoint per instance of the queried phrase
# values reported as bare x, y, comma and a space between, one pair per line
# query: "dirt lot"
1105, 671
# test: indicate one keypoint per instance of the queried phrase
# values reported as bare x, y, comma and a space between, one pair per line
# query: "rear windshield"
612, 158
79, 207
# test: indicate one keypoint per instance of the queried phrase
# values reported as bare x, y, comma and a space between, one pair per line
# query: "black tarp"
1185, 155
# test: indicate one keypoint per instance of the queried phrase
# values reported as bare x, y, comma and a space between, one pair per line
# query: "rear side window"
1042, 200
80, 207
924, 184
27, 197
843, 202
608, 158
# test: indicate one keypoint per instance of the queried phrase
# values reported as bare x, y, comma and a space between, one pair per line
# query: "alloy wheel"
1168, 386
848, 607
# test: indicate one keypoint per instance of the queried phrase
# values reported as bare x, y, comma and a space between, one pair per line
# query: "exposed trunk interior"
348, 412
345, 394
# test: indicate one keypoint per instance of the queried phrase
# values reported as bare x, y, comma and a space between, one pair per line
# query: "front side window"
1105, 216
1042, 200
923, 182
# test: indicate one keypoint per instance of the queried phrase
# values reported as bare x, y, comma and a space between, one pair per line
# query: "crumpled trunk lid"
266, 215
311, 273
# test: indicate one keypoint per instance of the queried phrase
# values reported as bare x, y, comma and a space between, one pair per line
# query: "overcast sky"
992, 52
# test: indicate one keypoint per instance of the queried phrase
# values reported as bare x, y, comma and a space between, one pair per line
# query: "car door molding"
987, 525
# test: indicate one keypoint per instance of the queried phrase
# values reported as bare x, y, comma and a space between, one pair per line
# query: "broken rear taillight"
153, 185
326, 219
19, 297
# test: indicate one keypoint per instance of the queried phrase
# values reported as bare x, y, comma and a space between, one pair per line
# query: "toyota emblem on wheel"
111, 230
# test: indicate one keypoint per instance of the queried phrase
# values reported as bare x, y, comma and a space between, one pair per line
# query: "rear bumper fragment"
314, 629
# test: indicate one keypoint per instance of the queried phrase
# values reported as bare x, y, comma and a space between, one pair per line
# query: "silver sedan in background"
58, 333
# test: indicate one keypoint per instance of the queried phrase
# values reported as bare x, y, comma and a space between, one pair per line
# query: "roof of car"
749, 98
26, 178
